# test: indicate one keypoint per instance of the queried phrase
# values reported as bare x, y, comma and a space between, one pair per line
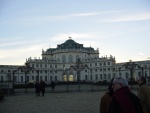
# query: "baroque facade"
71, 61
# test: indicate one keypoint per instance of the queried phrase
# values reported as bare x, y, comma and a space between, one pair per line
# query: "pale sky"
117, 27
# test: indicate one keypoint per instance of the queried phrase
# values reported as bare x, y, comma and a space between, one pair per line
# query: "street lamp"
79, 66
26, 69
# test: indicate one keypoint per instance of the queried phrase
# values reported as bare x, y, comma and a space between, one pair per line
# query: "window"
40, 65
37, 65
27, 78
15, 79
96, 77
91, 77
41, 78
45, 71
95, 64
85, 77
108, 63
109, 76
63, 58
139, 73
32, 65
77, 56
104, 63
114, 75
1, 78
70, 58
55, 66
127, 75
21, 78
32, 77
100, 76
55, 78
90, 65
45, 78
104, 76
50, 78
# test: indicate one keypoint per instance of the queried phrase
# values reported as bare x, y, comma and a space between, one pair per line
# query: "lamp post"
14, 79
79, 66
65, 72
92, 83
26, 69
38, 75
131, 66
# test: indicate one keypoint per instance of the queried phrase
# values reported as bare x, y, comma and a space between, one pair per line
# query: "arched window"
63, 58
70, 58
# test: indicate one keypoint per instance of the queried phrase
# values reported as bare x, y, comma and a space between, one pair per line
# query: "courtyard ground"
64, 102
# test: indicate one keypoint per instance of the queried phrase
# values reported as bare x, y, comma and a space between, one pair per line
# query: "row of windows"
101, 76
64, 61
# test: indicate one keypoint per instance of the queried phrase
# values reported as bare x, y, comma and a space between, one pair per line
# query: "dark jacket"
37, 87
124, 101
106, 99
105, 103
42, 85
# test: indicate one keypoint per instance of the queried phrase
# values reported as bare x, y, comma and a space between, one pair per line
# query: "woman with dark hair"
106, 99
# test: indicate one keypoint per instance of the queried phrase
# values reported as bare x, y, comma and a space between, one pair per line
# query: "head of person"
110, 89
141, 80
118, 83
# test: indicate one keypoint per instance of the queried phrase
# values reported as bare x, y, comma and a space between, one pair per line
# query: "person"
37, 88
53, 85
144, 94
123, 100
106, 99
42, 84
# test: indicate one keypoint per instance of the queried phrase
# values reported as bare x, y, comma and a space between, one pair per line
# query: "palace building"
71, 61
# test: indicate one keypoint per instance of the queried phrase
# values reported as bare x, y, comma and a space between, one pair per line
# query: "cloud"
42, 19
141, 54
77, 37
131, 17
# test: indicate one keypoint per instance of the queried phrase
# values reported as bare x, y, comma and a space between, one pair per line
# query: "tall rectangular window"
21, 78
45, 78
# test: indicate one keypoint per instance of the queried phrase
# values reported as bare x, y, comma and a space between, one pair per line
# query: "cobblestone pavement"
64, 102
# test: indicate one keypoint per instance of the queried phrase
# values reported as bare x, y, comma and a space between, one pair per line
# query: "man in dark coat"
53, 85
37, 88
42, 87
123, 100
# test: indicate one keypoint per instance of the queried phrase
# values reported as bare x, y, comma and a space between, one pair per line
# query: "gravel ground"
71, 102
53, 102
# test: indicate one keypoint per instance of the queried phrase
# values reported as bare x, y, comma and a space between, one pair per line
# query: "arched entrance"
65, 78
70, 78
